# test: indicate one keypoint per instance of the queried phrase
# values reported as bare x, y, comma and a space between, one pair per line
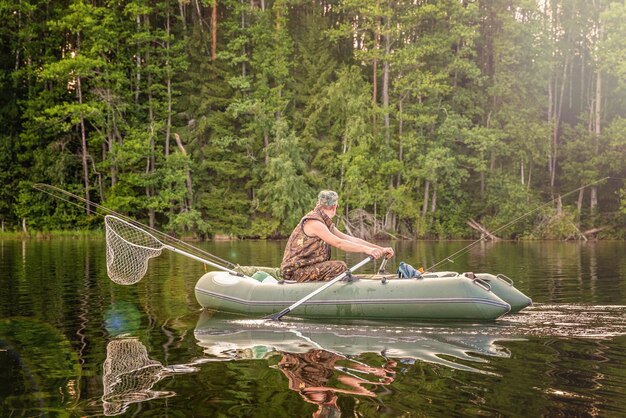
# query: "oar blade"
277, 316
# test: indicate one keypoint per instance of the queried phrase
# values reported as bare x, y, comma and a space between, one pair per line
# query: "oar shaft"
320, 289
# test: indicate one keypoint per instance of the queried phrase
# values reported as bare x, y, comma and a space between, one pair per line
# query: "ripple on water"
568, 320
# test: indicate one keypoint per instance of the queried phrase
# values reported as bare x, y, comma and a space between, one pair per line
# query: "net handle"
202, 260
65, 196
165, 246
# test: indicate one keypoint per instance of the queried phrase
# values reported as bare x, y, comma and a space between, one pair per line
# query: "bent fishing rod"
464, 250
67, 197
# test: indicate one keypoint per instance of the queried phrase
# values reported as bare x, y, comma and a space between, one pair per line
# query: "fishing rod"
464, 250
65, 196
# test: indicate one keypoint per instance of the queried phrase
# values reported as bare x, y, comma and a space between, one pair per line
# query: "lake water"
73, 343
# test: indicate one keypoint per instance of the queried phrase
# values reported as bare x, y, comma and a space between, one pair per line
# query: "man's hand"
375, 252
388, 251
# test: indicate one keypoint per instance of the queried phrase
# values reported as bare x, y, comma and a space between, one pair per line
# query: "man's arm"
314, 228
387, 250
344, 242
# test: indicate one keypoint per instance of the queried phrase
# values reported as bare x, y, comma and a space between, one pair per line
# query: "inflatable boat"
433, 296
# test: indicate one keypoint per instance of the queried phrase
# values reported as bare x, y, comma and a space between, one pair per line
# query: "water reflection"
323, 361
460, 347
129, 375
320, 375
34, 357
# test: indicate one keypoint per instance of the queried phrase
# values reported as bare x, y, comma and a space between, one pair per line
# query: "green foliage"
553, 225
507, 204
423, 115
612, 48
285, 194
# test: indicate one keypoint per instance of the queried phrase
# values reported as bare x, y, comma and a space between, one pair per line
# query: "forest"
224, 118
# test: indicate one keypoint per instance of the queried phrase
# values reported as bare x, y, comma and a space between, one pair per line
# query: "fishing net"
129, 375
128, 250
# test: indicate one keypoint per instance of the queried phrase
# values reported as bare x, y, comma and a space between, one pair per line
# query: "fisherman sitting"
307, 255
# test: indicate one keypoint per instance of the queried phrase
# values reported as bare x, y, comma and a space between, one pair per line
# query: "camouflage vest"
303, 250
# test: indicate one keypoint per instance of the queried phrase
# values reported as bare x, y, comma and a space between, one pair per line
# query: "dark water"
73, 343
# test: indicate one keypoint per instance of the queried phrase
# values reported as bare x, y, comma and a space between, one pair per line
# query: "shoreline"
99, 234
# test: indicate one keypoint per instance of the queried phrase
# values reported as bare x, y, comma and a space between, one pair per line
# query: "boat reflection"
129, 375
323, 361
459, 347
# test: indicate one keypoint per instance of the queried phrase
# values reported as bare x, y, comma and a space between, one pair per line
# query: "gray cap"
327, 198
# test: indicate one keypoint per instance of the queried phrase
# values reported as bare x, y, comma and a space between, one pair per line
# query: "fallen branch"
594, 231
483, 231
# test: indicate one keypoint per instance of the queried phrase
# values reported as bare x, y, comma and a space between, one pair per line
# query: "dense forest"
226, 117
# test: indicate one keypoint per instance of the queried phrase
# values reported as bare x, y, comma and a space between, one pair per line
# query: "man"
307, 255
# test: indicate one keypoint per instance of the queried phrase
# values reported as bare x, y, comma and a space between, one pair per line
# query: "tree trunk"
551, 76
150, 163
199, 11
593, 199
433, 203
181, 8
83, 146
168, 125
557, 124
579, 204
426, 193
375, 64
597, 130
243, 27
386, 83
214, 31
138, 63
187, 172
400, 145
483, 231
530, 172
17, 47
151, 160
482, 184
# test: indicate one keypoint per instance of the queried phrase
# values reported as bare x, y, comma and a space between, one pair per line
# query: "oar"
285, 311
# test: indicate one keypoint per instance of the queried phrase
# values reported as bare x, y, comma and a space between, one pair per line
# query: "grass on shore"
44, 235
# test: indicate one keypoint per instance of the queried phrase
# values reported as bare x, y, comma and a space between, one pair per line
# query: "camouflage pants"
326, 270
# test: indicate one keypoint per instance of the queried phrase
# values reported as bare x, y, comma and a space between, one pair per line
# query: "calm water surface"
73, 343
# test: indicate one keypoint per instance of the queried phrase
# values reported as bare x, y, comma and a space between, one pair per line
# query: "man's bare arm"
316, 228
387, 250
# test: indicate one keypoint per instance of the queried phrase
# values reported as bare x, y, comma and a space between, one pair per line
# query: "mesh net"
129, 375
128, 249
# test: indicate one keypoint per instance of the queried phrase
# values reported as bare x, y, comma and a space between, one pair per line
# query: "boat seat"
264, 277
250, 271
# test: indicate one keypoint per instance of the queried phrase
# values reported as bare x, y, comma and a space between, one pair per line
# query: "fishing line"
464, 250
53, 190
